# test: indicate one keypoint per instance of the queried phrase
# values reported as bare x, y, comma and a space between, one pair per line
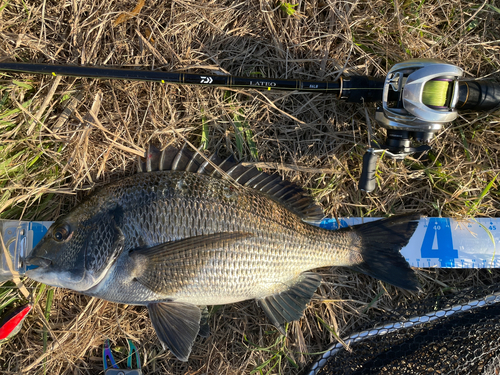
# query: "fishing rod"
418, 97
354, 89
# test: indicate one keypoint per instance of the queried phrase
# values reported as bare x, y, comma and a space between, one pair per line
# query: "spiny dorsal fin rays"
246, 175
172, 158
284, 192
184, 160
167, 157
208, 165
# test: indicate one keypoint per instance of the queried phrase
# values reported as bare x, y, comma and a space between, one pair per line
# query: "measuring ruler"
438, 242
441, 242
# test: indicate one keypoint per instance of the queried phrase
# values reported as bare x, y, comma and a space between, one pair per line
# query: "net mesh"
456, 333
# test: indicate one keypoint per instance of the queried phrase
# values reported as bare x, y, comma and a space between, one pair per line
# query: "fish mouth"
35, 262
31, 267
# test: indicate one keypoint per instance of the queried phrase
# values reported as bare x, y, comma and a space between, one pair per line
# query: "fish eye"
61, 233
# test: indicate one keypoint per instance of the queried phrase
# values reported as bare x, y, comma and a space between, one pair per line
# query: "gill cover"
76, 254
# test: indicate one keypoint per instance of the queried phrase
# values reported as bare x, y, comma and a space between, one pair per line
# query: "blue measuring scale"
438, 242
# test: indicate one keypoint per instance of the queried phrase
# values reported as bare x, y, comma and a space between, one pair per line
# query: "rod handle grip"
367, 181
478, 95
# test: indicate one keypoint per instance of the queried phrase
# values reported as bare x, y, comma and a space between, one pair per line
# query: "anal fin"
290, 304
177, 325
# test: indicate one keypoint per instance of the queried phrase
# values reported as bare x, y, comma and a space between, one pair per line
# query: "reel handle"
367, 181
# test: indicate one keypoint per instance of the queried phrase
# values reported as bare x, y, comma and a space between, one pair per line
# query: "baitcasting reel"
419, 97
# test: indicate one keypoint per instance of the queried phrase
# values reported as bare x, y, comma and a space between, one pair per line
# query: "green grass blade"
243, 129
204, 133
3, 6
251, 142
493, 8
330, 329
8, 302
488, 187
39, 294
466, 144
14, 111
292, 362
261, 366
22, 85
48, 306
377, 297
238, 132
288, 8
483, 194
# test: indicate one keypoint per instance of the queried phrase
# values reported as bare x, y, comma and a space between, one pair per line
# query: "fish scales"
168, 206
180, 236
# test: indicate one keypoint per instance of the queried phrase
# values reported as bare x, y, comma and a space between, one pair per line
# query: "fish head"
78, 249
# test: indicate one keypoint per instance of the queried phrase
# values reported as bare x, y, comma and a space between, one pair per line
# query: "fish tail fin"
381, 242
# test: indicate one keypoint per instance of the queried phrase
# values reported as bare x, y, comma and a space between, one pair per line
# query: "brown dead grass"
324, 39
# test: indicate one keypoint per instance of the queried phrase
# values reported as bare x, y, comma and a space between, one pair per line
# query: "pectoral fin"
163, 267
176, 325
289, 305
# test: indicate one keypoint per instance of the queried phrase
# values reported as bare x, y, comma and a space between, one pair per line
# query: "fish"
189, 231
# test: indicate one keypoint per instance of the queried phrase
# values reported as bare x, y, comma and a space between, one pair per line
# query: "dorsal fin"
284, 192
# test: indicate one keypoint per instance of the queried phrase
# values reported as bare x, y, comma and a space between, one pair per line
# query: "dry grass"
75, 154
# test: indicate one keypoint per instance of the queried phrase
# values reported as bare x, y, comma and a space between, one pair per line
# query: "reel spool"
428, 93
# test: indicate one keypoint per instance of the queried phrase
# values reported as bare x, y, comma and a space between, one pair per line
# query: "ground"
54, 152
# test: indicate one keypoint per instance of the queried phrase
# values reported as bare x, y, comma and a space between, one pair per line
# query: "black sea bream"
189, 232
